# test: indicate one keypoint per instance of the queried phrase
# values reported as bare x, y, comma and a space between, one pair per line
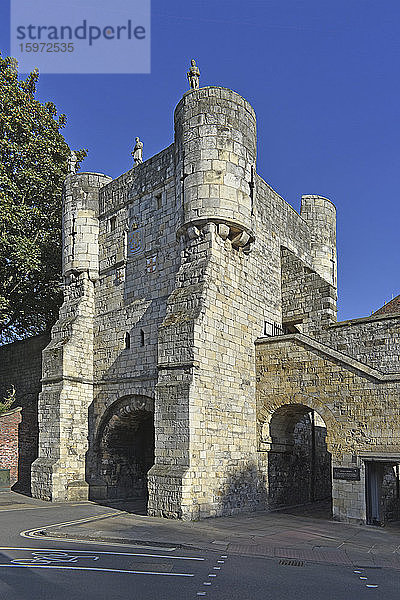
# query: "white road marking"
220, 561
52, 507
371, 586
92, 542
46, 558
34, 533
63, 567
224, 556
363, 577
212, 575
201, 593
28, 508
217, 568
105, 553
206, 582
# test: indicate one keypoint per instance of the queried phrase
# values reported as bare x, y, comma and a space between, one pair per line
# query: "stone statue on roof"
138, 152
73, 159
193, 75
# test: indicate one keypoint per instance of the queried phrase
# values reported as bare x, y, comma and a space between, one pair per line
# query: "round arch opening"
125, 448
299, 464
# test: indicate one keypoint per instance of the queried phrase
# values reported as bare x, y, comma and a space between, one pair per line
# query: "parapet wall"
308, 301
373, 341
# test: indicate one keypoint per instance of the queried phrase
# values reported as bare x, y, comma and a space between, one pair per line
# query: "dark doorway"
299, 464
126, 453
382, 492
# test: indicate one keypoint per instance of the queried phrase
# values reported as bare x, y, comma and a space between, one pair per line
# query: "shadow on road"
135, 506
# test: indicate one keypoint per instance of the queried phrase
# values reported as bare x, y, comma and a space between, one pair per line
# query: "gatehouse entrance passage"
125, 446
299, 464
382, 489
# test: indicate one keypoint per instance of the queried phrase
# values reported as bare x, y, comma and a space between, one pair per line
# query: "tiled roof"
391, 307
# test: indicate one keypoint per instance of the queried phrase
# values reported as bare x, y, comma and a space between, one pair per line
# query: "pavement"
300, 534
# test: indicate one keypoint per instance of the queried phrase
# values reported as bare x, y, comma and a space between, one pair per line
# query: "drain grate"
291, 563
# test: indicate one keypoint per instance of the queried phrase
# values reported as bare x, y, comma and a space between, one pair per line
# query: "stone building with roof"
197, 361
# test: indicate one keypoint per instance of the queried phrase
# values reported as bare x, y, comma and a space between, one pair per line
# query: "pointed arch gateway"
124, 446
299, 462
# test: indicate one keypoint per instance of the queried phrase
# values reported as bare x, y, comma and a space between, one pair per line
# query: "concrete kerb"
212, 537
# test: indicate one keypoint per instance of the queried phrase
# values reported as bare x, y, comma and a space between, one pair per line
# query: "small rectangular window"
159, 201
127, 340
113, 223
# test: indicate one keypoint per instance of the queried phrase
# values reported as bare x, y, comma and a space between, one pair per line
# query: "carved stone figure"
193, 75
138, 152
72, 163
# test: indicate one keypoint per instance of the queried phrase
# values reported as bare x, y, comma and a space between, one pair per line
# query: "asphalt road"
41, 569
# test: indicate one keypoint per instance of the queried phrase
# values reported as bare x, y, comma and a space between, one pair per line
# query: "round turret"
320, 214
215, 140
80, 223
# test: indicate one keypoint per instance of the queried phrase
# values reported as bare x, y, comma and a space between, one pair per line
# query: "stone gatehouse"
197, 360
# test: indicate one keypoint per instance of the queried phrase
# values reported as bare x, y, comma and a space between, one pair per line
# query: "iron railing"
272, 329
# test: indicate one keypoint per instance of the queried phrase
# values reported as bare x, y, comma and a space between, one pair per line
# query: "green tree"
33, 164
8, 400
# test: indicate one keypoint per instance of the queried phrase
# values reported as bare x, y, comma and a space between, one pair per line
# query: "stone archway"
124, 446
299, 464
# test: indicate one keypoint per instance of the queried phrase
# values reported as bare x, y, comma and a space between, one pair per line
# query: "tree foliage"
33, 164
7, 401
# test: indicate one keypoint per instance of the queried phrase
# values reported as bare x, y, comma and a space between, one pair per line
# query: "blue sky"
323, 78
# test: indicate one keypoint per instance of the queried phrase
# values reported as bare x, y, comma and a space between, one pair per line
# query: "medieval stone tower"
173, 271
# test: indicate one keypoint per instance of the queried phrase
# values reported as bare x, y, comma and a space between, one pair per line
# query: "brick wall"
21, 366
9, 423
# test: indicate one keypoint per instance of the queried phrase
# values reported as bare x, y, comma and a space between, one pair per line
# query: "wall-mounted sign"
348, 473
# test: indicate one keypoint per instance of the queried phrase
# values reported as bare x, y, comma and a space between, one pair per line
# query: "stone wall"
21, 367
308, 301
67, 391
227, 287
358, 404
373, 341
171, 272
138, 257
